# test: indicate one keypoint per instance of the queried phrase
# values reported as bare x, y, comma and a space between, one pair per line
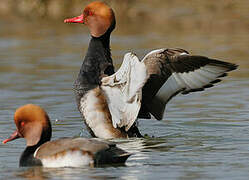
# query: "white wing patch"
123, 91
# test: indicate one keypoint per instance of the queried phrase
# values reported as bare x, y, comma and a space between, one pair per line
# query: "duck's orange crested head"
98, 16
32, 122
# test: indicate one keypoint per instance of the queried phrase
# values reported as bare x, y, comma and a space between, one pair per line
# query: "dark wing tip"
215, 81
227, 65
232, 66
112, 155
123, 157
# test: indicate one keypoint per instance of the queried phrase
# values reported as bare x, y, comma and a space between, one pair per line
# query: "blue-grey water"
204, 135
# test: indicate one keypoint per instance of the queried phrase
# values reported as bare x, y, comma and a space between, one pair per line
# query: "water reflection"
41, 173
33, 173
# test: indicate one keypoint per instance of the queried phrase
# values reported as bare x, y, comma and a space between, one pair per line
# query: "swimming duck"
111, 102
33, 124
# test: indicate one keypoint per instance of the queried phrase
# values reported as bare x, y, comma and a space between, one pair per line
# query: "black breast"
97, 62
27, 157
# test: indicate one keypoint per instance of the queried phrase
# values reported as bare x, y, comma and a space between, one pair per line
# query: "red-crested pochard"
111, 102
33, 124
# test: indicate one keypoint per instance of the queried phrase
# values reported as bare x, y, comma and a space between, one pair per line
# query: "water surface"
203, 135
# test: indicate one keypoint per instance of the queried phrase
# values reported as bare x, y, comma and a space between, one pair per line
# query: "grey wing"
173, 71
58, 146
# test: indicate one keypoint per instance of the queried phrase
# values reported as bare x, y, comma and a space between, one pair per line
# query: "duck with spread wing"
111, 102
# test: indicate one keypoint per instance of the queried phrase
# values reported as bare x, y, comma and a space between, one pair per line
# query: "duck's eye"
22, 123
90, 13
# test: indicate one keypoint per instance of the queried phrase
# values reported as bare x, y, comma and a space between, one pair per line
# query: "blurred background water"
203, 135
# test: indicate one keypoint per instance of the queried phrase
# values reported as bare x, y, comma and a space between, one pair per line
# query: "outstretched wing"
123, 91
173, 71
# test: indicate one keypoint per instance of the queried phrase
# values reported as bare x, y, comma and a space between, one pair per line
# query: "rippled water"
203, 135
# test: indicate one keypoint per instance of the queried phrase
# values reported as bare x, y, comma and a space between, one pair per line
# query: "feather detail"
172, 71
123, 91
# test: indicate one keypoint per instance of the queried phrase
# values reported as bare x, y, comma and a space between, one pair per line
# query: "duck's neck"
96, 64
27, 158
103, 41
98, 59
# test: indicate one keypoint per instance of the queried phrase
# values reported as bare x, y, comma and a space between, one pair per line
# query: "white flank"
70, 159
95, 118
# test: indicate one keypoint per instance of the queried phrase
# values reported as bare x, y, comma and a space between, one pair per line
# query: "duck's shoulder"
165, 53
